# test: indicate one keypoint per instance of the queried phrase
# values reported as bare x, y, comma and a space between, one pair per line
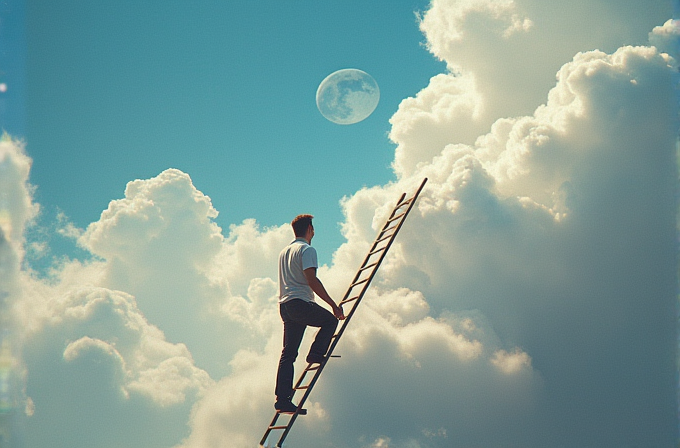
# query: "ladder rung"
373, 252
313, 367
278, 427
369, 266
396, 217
358, 283
388, 229
301, 387
384, 238
342, 302
401, 204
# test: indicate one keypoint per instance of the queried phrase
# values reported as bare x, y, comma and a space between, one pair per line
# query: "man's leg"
327, 323
292, 336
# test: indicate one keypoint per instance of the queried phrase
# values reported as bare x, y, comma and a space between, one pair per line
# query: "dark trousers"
296, 315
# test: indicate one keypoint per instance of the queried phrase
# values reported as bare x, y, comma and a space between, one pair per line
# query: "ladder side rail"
270, 428
289, 426
376, 241
364, 287
373, 250
378, 263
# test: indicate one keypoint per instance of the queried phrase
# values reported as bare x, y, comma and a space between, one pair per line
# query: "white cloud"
16, 206
66, 228
250, 252
511, 363
448, 109
16, 212
98, 320
81, 345
559, 228
160, 244
167, 382
237, 409
162, 224
503, 56
401, 306
91, 355
666, 38
446, 22
509, 188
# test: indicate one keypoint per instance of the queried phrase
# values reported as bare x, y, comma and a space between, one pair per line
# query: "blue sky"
157, 151
221, 90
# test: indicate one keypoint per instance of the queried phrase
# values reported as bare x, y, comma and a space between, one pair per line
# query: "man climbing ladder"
295, 257
297, 284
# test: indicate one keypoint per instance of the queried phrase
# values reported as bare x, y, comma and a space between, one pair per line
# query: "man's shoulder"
297, 246
309, 257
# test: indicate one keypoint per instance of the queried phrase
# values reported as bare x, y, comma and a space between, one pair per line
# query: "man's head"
302, 226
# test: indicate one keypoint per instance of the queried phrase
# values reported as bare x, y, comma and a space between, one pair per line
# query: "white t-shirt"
293, 260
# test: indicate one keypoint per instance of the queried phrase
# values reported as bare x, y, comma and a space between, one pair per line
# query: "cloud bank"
529, 300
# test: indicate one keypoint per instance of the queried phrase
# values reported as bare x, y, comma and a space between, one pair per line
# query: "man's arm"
320, 290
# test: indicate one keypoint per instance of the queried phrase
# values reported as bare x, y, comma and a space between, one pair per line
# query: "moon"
347, 96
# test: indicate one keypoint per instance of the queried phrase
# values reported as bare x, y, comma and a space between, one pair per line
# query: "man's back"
293, 260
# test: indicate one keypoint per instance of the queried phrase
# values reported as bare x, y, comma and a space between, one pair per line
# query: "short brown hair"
301, 223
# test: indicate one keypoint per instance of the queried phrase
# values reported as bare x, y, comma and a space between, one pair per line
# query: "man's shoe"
287, 407
316, 359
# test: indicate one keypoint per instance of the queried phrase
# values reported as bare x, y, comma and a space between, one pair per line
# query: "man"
297, 284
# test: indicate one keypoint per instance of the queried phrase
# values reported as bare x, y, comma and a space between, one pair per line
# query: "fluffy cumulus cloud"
90, 354
502, 57
559, 227
665, 38
528, 301
16, 211
76, 356
105, 324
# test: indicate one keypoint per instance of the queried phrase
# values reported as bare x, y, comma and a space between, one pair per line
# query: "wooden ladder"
355, 292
